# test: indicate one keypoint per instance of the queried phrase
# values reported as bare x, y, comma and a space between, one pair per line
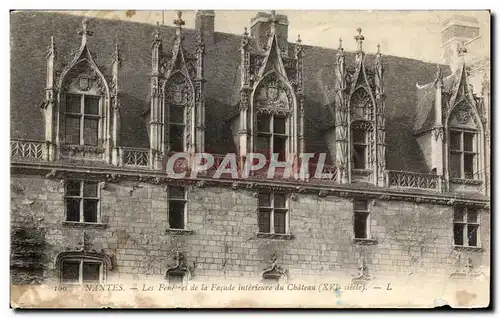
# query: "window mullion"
82, 119
80, 273
81, 201
271, 217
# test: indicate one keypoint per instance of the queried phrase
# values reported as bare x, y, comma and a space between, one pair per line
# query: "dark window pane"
176, 192
471, 216
73, 104
73, 188
469, 166
455, 159
468, 142
70, 271
91, 105
359, 155
280, 147
264, 221
455, 140
279, 200
263, 144
279, 125
90, 211
72, 128
472, 234
176, 214
270, 279
458, 234
361, 205
90, 189
175, 278
177, 138
458, 215
360, 223
177, 115
279, 221
91, 272
73, 210
264, 199
90, 131
358, 136
263, 123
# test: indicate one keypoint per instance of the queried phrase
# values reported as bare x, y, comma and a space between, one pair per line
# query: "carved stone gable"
272, 93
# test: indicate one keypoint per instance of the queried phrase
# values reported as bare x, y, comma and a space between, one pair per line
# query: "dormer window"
271, 135
463, 153
82, 119
359, 148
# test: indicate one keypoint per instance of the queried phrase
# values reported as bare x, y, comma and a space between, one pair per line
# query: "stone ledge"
364, 241
275, 236
466, 181
179, 231
85, 224
468, 248
362, 172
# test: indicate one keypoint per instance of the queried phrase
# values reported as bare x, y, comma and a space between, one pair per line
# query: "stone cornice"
113, 174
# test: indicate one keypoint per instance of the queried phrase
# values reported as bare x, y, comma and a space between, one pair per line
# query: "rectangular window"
361, 219
271, 135
81, 271
176, 207
359, 147
177, 126
273, 213
462, 154
82, 201
82, 119
466, 227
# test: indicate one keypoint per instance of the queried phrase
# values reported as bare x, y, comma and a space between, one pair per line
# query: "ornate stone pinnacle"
340, 43
179, 22
378, 48
156, 33
246, 32
359, 39
299, 40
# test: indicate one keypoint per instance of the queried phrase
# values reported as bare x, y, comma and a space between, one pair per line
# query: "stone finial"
245, 33
461, 50
378, 49
179, 22
340, 43
359, 39
299, 40
85, 28
273, 21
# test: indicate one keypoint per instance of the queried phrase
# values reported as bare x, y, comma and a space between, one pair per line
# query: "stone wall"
410, 238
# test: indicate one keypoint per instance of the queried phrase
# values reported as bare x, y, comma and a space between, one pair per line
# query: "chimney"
260, 28
456, 31
205, 21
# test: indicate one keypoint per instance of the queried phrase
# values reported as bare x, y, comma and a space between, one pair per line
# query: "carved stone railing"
405, 179
137, 157
27, 149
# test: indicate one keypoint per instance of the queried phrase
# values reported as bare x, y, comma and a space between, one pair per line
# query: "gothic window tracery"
360, 104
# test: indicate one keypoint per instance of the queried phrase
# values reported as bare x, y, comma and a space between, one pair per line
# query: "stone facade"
399, 194
222, 241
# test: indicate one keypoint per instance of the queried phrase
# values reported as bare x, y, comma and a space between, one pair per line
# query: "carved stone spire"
51, 51
298, 48
359, 40
157, 34
438, 79
84, 31
379, 70
485, 84
200, 44
273, 21
179, 23
245, 40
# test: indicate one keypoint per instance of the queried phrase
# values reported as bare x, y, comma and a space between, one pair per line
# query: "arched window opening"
178, 97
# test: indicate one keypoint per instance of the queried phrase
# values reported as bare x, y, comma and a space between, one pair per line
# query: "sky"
413, 34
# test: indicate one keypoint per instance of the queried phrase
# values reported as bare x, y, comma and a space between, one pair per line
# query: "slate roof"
30, 36
426, 96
